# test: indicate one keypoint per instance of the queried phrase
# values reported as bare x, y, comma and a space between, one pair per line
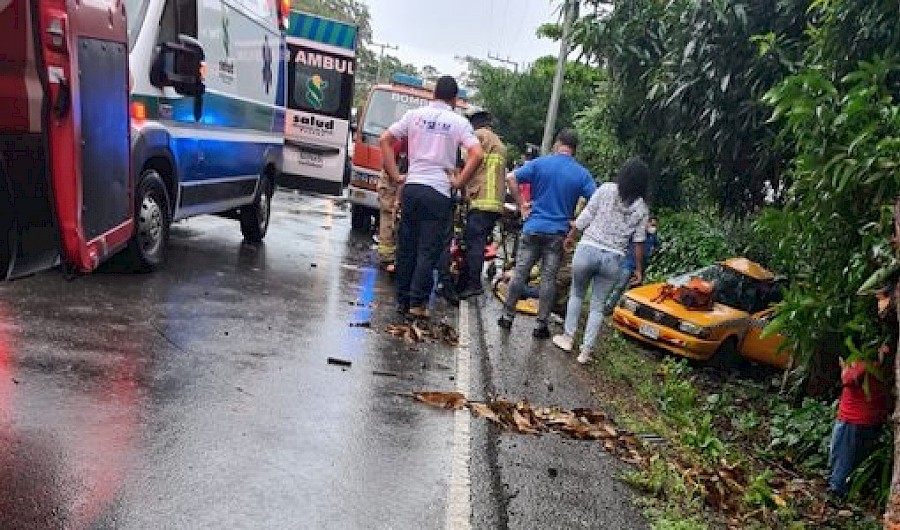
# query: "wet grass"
709, 424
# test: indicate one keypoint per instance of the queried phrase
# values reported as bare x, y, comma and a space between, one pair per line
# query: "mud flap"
29, 235
31, 240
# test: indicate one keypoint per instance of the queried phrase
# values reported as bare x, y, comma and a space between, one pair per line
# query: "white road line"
459, 507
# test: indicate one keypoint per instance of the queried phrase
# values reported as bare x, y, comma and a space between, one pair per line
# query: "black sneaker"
541, 332
469, 292
504, 322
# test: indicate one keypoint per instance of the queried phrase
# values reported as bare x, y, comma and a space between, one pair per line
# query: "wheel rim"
263, 209
150, 225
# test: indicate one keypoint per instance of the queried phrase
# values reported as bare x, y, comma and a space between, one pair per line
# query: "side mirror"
180, 66
354, 125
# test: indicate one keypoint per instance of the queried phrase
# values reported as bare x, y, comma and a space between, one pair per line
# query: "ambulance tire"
255, 217
147, 248
361, 218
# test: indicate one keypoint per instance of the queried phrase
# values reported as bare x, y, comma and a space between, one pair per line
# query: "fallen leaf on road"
445, 400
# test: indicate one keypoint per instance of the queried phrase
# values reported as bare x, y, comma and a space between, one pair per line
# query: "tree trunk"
892, 510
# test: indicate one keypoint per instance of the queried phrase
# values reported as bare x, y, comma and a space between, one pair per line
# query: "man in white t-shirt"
434, 134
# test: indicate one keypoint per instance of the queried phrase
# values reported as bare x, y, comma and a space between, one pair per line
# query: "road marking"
459, 508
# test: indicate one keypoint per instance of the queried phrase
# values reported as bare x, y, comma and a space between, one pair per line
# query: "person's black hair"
632, 180
446, 89
568, 138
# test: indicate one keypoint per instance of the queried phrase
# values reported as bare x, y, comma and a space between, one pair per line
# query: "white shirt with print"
434, 134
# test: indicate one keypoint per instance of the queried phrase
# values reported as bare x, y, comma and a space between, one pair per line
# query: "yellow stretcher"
528, 306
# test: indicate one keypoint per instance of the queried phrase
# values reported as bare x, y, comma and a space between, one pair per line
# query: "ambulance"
121, 117
321, 66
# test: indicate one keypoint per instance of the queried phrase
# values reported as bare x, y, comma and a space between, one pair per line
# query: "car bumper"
669, 339
363, 197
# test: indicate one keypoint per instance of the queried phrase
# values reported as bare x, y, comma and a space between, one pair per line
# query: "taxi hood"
648, 295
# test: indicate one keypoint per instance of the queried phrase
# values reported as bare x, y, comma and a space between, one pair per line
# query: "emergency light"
417, 82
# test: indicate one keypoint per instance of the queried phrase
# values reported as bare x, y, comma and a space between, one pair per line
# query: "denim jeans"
479, 225
534, 247
850, 445
599, 269
425, 217
618, 288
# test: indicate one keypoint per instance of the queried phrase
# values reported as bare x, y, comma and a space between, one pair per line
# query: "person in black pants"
434, 134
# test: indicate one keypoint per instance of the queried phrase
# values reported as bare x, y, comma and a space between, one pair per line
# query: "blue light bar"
400, 78
408, 80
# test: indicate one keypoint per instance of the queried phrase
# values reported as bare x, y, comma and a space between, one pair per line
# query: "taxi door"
764, 350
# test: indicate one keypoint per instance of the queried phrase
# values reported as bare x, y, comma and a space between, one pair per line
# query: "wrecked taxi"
741, 306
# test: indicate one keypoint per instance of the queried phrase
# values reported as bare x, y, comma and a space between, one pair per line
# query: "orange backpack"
696, 294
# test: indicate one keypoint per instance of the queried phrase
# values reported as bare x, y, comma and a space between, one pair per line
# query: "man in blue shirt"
557, 181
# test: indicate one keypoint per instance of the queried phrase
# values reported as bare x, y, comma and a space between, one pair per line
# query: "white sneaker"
563, 342
584, 357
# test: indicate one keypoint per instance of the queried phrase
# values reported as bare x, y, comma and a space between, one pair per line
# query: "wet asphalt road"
200, 396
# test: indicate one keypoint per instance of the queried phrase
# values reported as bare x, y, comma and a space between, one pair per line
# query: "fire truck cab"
386, 104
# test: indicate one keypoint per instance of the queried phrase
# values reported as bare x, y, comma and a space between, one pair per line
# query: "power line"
507, 60
381, 57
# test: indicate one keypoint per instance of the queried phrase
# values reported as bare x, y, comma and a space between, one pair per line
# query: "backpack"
696, 294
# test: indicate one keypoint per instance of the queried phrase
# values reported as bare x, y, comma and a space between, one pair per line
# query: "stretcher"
509, 228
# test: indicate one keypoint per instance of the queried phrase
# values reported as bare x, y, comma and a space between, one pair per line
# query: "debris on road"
420, 331
444, 400
339, 362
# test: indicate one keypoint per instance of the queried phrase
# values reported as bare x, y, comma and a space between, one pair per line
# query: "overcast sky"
433, 32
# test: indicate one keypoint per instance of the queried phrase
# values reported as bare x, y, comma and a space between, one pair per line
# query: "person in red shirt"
862, 412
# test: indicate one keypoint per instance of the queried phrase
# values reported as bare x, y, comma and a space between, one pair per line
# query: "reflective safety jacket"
487, 188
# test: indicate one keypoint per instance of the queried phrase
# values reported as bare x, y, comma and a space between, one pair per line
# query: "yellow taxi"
743, 296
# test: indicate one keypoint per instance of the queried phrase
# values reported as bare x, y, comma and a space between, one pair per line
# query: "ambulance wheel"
151, 232
255, 217
360, 218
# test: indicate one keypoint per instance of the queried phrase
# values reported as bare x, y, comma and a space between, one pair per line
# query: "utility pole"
514, 64
381, 58
569, 13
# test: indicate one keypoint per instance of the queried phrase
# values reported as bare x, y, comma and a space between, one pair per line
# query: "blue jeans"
850, 445
599, 269
534, 247
422, 236
618, 288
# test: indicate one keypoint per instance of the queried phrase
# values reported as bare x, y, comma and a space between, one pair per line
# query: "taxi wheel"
726, 357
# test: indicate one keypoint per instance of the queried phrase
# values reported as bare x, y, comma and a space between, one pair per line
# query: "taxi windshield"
733, 288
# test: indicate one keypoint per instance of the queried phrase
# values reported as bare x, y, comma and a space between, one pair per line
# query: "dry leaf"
446, 400
484, 411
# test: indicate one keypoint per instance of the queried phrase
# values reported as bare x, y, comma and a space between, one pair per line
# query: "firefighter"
485, 194
388, 209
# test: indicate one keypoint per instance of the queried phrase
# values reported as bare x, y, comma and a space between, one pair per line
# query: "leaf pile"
418, 332
723, 485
